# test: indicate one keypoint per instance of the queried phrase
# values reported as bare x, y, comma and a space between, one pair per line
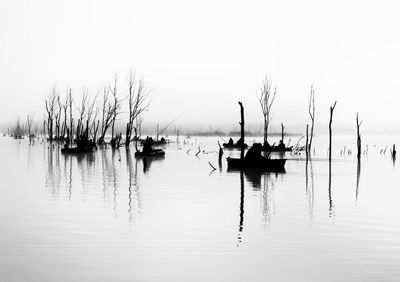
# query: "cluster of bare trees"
93, 117
266, 99
21, 129
18, 131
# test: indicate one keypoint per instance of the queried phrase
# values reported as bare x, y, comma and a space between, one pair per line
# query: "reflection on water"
262, 182
358, 178
331, 206
309, 176
267, 190
148, 161
102, 167
134, 202
114, 175
108, 216
241, 207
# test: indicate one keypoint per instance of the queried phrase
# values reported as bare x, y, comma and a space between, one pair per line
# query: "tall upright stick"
311, 112
358, 138
307, 148
241, 130
330, 131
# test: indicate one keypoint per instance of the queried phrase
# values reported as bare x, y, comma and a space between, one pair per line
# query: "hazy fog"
201, 57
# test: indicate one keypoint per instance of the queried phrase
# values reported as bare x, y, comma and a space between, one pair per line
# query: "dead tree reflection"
358, 177
241, 207
85, 167
104, 169
310, 187
53, 175
29, 157
110, 177
267, 204
331, 207
114, 173
265, 183
70, 180
67, 174
133, 188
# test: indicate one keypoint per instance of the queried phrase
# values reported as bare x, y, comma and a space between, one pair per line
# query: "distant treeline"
237, 133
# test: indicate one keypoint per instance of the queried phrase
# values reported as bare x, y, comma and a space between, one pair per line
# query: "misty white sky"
201, 57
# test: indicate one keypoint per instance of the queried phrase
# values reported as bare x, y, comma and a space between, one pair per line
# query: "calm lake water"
106, 217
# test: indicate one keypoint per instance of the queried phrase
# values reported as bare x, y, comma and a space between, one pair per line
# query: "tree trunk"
241, 130
307, 148
311, 136
265, 129
358, 139
330, 131
127, 135
112, 127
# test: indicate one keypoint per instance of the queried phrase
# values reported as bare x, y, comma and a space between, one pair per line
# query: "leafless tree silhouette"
50, 106
64, 106
266, 99
311, 112
58, 117
116, 104
71, 119
358, 137
29, 124
82, 110
107, 114
92, 112
330, 131
137, 103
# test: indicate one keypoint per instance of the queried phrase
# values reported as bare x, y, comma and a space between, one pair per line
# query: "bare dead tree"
18, 130
282, 131
64, 106
331, 212
92, 113
137, 103
95, 129
266, 99
82, 110
241, 130
330, 131
71, 119
29, 123
58, 117
107, 114
358, 138
44, 126
307, 142
311, 112
50, 104
95, 123
116, 104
